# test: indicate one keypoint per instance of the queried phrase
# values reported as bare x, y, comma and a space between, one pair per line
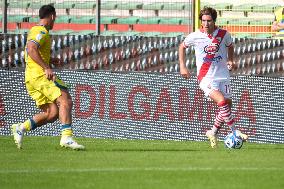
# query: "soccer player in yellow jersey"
49, 92
278, 24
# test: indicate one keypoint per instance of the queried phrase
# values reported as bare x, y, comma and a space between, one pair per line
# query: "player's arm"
230, 62
56, 62
183, 69
276, 26
34, 54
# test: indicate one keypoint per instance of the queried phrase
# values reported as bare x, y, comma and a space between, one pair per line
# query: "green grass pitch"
132, 164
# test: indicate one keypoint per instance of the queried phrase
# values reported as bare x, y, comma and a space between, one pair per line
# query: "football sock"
28, 125
217, 123
66, 130
226, 114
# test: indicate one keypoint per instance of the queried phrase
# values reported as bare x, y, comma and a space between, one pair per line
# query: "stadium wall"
149, 106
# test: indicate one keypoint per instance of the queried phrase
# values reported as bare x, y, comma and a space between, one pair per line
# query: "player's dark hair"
208, 11
46, 10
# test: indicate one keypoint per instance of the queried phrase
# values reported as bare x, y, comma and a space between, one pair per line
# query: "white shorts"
222, 85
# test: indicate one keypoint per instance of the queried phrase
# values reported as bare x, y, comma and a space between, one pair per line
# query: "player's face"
208, 23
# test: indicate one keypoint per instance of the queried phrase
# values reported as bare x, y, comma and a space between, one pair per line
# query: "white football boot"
18, 134
212, 138
69, 142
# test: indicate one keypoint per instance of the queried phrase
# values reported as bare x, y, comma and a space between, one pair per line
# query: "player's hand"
274, 26
50, 75
184, 72
230, 65
56, 62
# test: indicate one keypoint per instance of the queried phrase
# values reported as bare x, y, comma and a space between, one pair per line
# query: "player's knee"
52, 117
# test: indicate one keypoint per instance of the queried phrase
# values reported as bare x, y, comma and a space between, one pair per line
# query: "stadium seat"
278, 54
128, 20
85, 5
170, 21
65, 5
84, 33
242, 35
63, 19
265, 8
82, 19
260, 22
263, 35
172, 34
253, 59
150, 20
246, 7
129, 6
109, 5
36, 5
17, 18
61, 32
243, 21
186, 21
222, 6
273, 67
153, 6
174, 6
109, 33
34, 19
203, 4
16, 4
222, 21
151, 34
106, 20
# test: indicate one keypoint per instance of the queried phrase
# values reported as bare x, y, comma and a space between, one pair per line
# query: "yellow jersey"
279, 17
40, 36
278, 14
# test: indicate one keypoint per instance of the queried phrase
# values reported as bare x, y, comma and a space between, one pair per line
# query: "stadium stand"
134, 39
139, 53
166, 16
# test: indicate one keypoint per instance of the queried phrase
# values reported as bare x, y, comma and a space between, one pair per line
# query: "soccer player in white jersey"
214, 58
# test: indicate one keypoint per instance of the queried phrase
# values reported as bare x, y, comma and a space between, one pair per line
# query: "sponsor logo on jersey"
211, 49
214, 59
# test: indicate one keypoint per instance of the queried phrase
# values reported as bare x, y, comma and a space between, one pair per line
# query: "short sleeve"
188, 41
228, 39
38, 36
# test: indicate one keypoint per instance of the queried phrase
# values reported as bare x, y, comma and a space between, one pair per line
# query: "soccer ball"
233, 141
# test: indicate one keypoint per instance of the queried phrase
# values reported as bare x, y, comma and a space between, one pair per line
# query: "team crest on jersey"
211, 49
38, 37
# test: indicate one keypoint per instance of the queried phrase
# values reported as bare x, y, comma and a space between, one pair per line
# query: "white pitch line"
122, 169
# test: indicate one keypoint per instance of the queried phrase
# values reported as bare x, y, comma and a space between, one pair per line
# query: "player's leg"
48, 115
224, 106
43, 92
65, 117
219, 121
207, 85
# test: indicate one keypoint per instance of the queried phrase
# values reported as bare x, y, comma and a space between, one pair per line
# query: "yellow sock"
27, 125
66, 130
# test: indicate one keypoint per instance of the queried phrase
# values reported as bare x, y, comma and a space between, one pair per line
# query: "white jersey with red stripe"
211, 53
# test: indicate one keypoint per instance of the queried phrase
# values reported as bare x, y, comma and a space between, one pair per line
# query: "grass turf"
132, 164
